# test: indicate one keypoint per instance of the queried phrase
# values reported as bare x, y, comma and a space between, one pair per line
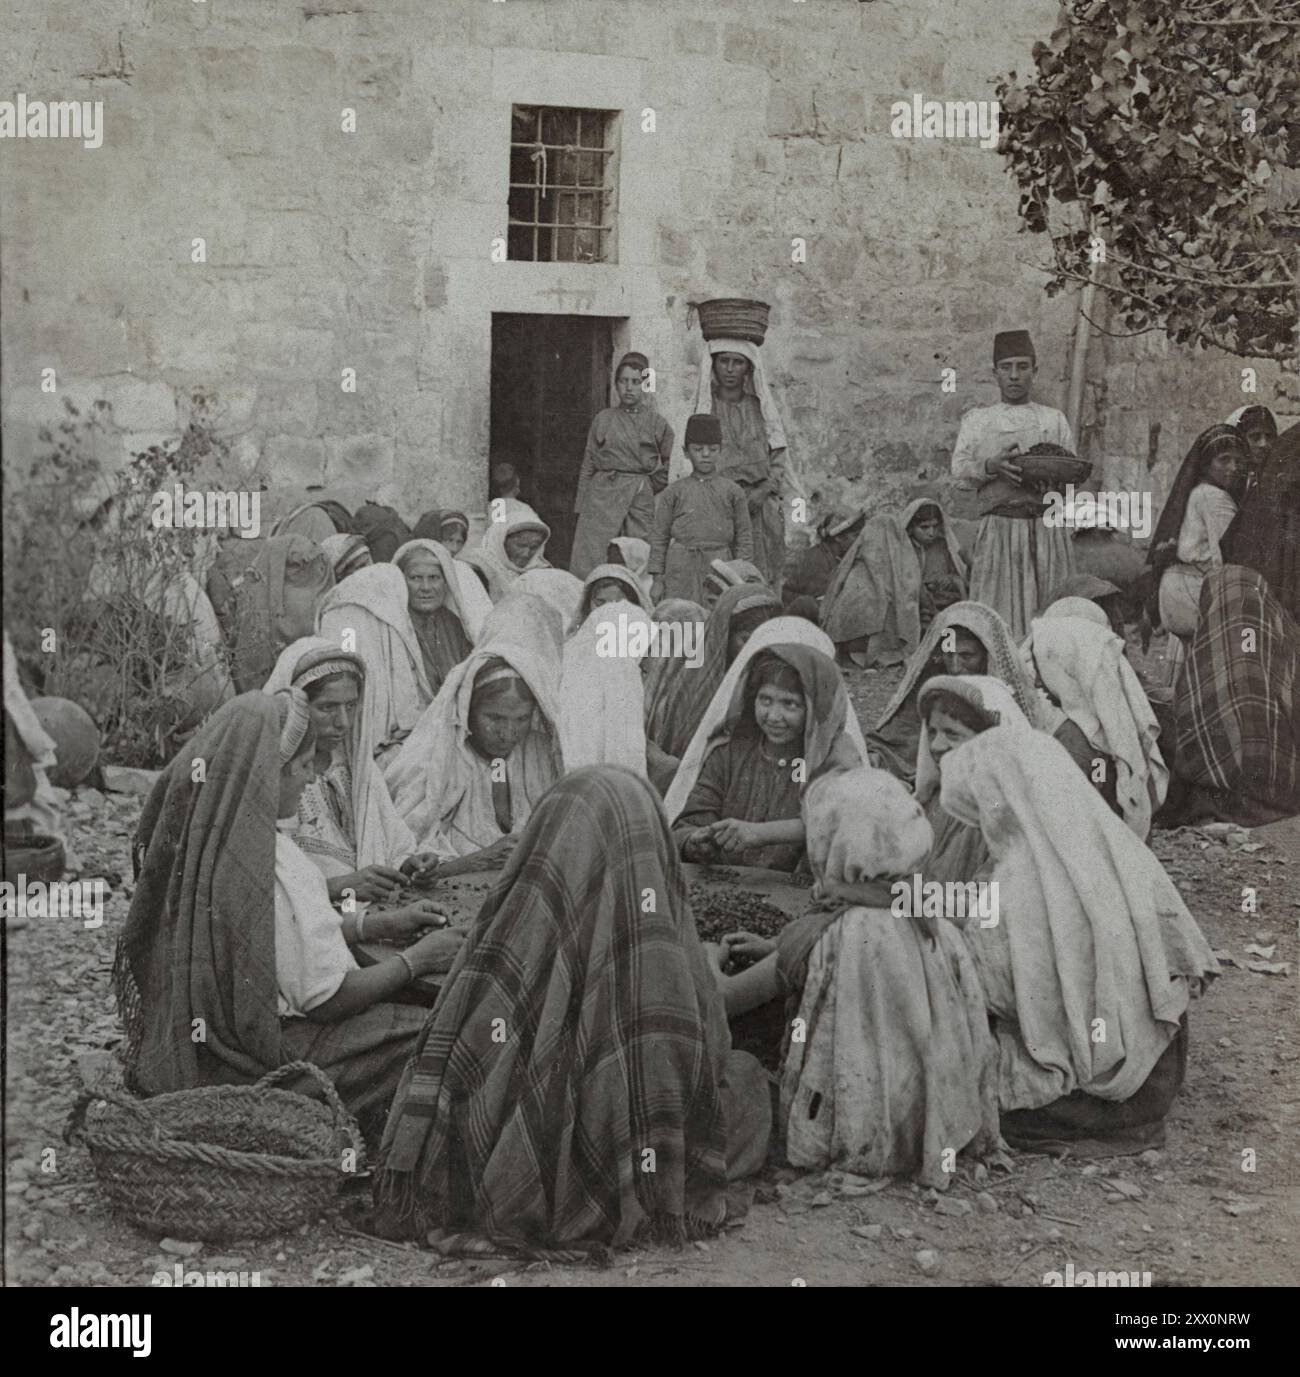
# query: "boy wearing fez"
699, 518
1017, 559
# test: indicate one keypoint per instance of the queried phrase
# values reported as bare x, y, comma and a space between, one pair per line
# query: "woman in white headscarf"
487, 748
1094, 959
892, 1068
734, 389
447, 605
1082, 668
557, 588
510, 546
635, 554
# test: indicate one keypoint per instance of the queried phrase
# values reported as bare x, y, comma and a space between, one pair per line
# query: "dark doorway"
550, 375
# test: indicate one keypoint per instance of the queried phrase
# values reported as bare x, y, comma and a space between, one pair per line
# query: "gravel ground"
1217, 1205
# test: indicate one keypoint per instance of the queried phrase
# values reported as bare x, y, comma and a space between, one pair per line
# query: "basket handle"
75, 1128
290, 1069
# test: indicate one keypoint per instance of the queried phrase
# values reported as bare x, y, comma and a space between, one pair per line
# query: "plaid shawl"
579, 1030
1235, 706
675, 706
199, 941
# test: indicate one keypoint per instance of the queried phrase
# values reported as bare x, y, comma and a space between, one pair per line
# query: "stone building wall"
371, 250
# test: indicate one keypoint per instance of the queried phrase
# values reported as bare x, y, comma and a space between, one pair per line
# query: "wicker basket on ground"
222, 1161
734, 318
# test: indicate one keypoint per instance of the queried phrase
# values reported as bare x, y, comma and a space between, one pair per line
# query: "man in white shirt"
1017, 559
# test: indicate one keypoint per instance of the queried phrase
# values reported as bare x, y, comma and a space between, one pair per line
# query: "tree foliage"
1170, 130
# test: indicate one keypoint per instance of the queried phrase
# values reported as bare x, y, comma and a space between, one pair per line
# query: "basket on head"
220, 1161
734, 318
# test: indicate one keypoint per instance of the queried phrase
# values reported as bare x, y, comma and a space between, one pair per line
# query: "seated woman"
1265, 533
1082, 669
509, 548
370, 613
779, 718
453, 531
231, 928
809, 571
602, 694
683, 691
1236, 711
634, 554
347, 823
487, 748
1089, 596
446, 605
1094, 959
901, 572
1200, 508
347, 553
617, 1047
728, 573
966, 638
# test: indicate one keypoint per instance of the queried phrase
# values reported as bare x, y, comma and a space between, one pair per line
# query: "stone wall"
328, 250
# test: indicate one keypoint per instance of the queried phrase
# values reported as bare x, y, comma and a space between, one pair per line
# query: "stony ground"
1218, 1205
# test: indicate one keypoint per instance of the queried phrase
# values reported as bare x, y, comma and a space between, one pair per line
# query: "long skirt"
1180, 599
1016, 565
769, 540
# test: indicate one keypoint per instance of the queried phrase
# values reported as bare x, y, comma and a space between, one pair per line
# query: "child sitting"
698, 519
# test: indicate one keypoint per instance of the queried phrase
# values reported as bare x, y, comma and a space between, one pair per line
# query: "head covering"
1004, 660
832, 735
1238, 714
880, 574
660, 668
383, 529
429, 526
316, 520
1012, 344
368, 613
1265, 533
557, 588
380, 837
632, 360
728, 573
619, 1045
1248, 419
490, 556
347, 553
1089, 925
635, 554
602, 696
1219, 439
465, 594
199, 941
456, 520
838, 523
862, 825
267, 593
1083, 586
1083, 667
291, 705
682, 694
703, 429
621, 575
1082, 609
437, 771
988, 695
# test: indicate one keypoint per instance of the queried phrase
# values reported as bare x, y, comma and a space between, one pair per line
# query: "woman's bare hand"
434, 953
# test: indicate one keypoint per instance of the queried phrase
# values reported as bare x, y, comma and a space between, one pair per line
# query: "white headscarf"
1082, 666
466, 596
602, 696
981, 691
490, 556
777, 631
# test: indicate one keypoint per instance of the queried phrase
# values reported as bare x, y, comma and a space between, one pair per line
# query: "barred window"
563, 184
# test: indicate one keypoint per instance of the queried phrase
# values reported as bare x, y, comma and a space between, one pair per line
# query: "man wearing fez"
1018, 559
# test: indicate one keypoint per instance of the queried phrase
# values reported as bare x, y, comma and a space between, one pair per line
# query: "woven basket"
1050, 470
221, 1161
734, 318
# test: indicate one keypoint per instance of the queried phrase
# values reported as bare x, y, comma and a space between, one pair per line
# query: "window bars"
563, 176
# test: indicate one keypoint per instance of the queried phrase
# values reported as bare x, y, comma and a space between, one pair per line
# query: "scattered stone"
179, 1248
862, 1185
354, 1276
900, 1233
34, 1230
987, 1202
1240, 1207
1092, 1169
92, 797
1255, 949
281, 1257
1127, 1189
791, 1205
224, 1263
927, 1260
1150, 1158
121, 779
1269, 967
1264, 937
821, 1200
954, 1208
868, 1231
981, 1173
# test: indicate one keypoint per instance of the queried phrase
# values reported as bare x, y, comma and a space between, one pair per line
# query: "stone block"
284, 350
367, 459
698, 38
291, 460
790, 112
435, 285
748, 46
141, 405
286, 408
840, 113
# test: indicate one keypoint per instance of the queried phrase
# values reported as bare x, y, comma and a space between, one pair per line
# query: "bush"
98, 601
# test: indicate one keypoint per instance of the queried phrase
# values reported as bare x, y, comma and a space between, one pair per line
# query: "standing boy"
699, 518
1018, 559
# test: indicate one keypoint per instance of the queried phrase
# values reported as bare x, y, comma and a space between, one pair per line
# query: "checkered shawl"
1236, 708
578, 1033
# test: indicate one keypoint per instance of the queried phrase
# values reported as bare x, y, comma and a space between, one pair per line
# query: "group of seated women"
451, 716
